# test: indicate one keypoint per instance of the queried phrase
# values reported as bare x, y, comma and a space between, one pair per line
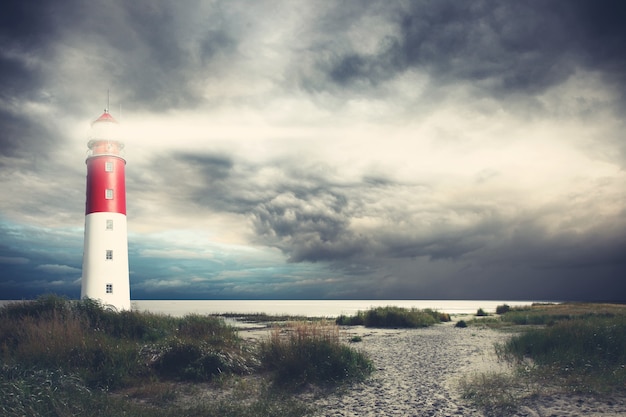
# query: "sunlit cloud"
280, 149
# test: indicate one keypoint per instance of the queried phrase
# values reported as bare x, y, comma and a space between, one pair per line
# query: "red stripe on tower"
106, 187
106, 184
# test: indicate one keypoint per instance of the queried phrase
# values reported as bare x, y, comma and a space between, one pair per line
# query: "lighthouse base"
105, 260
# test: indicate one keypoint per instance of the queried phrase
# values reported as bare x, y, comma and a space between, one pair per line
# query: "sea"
309, 308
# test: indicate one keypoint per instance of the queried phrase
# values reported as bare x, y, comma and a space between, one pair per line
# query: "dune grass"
110, 350
61, 358
498, 394
571, 347
394, 317
585, 354
302, 352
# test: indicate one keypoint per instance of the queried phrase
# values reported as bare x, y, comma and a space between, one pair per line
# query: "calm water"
312, 308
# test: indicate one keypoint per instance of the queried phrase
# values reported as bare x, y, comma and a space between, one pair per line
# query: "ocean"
308, 308
311, 308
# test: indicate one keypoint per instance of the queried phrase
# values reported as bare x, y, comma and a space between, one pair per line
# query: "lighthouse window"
108, 166
109, 224
109, 255
109, 288
108, 194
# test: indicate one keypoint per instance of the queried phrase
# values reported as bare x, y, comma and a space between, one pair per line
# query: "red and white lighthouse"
105, 256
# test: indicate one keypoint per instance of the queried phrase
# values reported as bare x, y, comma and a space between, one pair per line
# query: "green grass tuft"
304, 353
394, 317
499, 394
591, 349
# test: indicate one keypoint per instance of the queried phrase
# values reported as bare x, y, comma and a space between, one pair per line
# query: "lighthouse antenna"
107, 108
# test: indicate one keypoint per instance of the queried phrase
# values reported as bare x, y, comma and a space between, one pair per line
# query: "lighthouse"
105, 256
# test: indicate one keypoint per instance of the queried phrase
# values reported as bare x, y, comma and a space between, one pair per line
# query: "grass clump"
304, 353
199, 360
585, 354
26, 391
499, 394
503, 308
110, 350
461, 324
549, 314
571, 347
394, 317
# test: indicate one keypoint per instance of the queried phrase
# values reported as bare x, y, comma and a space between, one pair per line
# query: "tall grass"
548, 314
497, 393
589, 354
304, 353
62, 358
394, 317
556, 347
110, 350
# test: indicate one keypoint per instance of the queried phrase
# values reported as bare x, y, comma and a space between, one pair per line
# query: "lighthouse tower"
105, 255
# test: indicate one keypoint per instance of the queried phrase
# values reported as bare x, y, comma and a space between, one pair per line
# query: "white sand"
418, 372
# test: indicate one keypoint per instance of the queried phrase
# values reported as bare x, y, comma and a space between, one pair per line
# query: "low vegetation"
498, 394
61, 357
574, 347
303, 353
394, 317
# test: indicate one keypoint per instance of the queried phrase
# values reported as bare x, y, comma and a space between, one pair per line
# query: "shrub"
44, 306
356, 320
196, 360
461, 324
501, 309
312, 353
210, 329
442, 317
481, 313
394, 317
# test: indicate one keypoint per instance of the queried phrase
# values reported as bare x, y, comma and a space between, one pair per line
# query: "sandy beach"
418, 372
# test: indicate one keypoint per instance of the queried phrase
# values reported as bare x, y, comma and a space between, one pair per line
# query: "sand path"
418, 373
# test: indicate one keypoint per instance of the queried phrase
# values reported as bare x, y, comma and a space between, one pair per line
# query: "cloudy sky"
322, 149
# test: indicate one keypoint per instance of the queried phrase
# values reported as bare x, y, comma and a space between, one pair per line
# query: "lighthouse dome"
105, 127
105, 137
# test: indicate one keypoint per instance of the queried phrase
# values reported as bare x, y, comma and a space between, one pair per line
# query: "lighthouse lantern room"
105, 256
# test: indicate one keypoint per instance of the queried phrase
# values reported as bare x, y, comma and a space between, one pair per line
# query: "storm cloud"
425, 149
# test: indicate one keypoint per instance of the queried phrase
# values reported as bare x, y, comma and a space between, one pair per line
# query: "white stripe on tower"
105, 256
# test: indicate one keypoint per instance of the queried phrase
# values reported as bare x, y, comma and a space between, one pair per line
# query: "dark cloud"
28, 25
153, 54
310, 217
309, 226
371, 234
503, 48
20, 136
